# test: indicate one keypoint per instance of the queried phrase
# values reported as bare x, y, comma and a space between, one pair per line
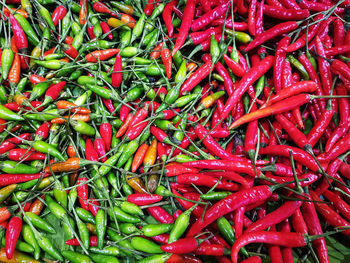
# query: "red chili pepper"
271, 33
19, 35
185, 25
101, 55
277, 216
267, 237
143, 199
106, 134
196, 77
160, 215
181, 246
236, 68
210, 16
83, 192
75, 242
167, 17
13, 142
286, 14
13, 231
248, 79
229, 204
252, 17
58, 14
167, 60
117, 74
100, 148
106, 30
53, 92
93, 206
20, 154
331, 216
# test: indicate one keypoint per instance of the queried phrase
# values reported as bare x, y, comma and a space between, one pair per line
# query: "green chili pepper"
214, 48
83, 233
60, 195
101, 225
44, 115
130, 208
44, 147
299, 67
152, 230
46, 245
149, 37
13, 167
108, 251
226, 230
3, 95
215, 195
75, 257
68, 228
122, 216
104, 258
6, 60
57, 210
38, 222
130, 149
28, 236
39, 90
145, 245
184, 100
21, 246
125, 38
156, 258
180, 225
82, 127
123, 243
46, 15
9, 115
85, 215
138, 28
128, 228
103, 170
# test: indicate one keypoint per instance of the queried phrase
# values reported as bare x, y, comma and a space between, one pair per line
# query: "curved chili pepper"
188, 15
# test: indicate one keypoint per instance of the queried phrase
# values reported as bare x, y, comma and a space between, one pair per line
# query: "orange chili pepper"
16, 257
15, 10
128, 20
191, 66
139, 157
37, 206
17, 127
125, 125
15, 70
63, 104
83, 12
71, 164
100, 55
76, 117
4, 214
156, 51
151, 155
19, 99
136, 183
71, 151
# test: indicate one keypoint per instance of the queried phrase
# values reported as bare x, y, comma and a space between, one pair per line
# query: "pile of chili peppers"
174, 131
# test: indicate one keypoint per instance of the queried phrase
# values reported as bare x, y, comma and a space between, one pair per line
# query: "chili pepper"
145, 245
332, 217
186, 24
167, 17
243, 197
160, 215
12, 233
271, 33
256, 72
279, 107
